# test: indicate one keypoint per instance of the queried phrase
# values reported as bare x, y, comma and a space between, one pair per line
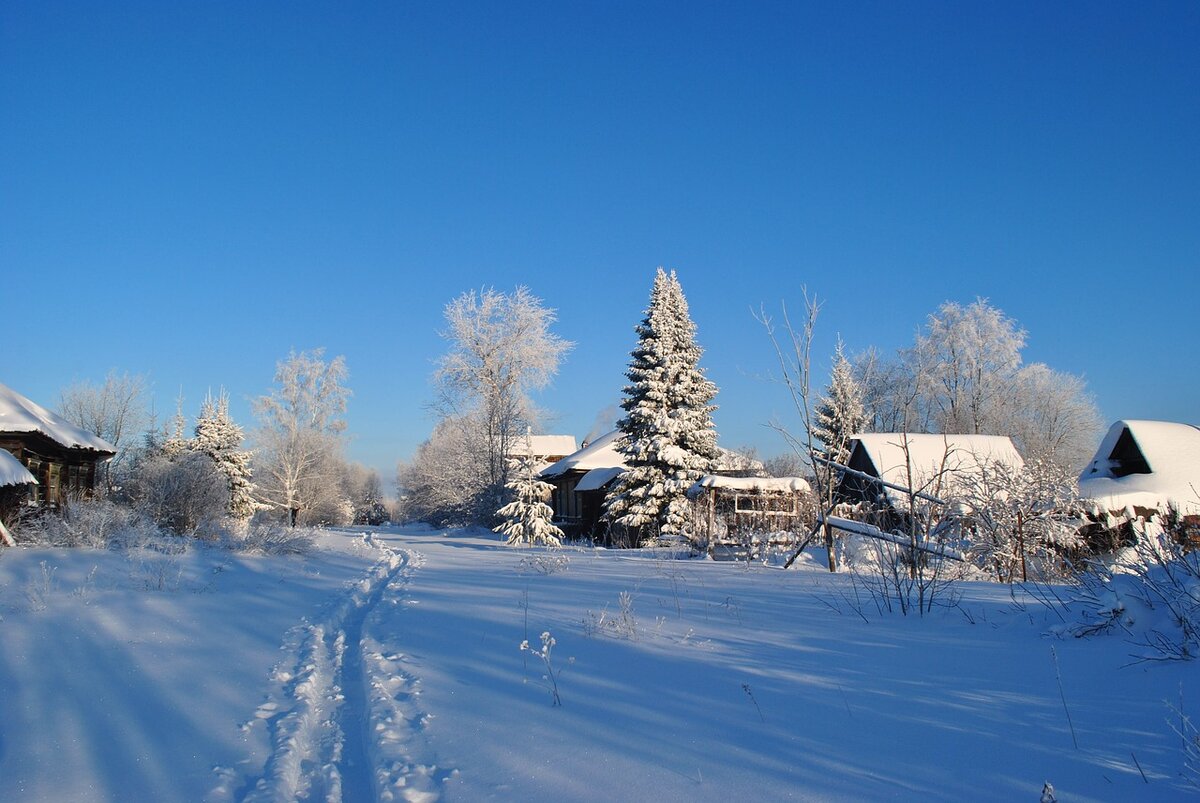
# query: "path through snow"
343, 713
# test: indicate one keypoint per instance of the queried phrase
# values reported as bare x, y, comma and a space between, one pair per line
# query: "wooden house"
582, 480
64, 459
884, 464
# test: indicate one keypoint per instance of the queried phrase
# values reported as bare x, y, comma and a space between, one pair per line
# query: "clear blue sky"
189, 190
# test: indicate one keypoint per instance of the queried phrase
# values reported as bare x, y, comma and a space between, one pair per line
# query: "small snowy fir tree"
668, 436
221, 439
175, 444
527, 518
840, 412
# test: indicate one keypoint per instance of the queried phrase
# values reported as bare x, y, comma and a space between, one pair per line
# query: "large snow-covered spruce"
668, 435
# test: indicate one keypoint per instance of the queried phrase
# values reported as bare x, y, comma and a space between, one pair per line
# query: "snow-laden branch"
871, 531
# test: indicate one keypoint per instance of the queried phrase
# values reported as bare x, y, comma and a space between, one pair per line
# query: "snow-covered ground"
388, 666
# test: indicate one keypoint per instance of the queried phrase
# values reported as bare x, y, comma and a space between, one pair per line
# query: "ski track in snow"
344, 717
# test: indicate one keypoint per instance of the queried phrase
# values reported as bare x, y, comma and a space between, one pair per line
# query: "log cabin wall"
60, 472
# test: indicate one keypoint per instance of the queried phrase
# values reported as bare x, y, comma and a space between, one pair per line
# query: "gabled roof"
12, 472
603, 453
600, 453
1147, 464
544, 445
953, 456
19, 414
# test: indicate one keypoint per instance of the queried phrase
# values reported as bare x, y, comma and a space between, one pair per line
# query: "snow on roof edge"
12, 472
19, 414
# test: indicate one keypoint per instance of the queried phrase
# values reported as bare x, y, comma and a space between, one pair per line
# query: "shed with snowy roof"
63, 458
1145, 467
744, 516
884, 464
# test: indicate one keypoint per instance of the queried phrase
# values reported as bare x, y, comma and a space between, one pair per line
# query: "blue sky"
189, 190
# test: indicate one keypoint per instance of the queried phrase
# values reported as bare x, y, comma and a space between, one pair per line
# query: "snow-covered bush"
621, 625
1152, 593
1020, 521
82, 524
543, 564
180, 493
91, 523
275, 538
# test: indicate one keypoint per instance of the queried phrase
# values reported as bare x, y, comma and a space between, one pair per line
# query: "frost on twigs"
1152, 595
543, 564
551, 675
621, 625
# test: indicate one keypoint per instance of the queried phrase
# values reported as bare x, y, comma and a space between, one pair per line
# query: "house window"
54, 483
35, 468
1127, 458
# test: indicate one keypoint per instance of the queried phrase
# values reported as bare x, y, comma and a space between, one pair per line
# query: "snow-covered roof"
597, 478
729, 460
950, 455
1169, 450
544, 445
751, 484
19, 414
12, 472
600, 453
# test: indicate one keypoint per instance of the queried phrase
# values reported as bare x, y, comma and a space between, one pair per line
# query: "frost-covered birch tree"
668, 436
964, 374
501, 350
298, 456
113, 410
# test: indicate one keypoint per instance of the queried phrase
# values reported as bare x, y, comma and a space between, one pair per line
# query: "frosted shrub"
39, 589
97, 524
275, 538
1153, 595
623, 624
545, 653
543, 564
1189, 737
180, 493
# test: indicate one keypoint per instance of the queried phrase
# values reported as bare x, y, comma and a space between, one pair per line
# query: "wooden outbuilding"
1143, 469
744, 517
65, 460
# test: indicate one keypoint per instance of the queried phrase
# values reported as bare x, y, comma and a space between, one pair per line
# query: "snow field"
388, 667
340, 714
